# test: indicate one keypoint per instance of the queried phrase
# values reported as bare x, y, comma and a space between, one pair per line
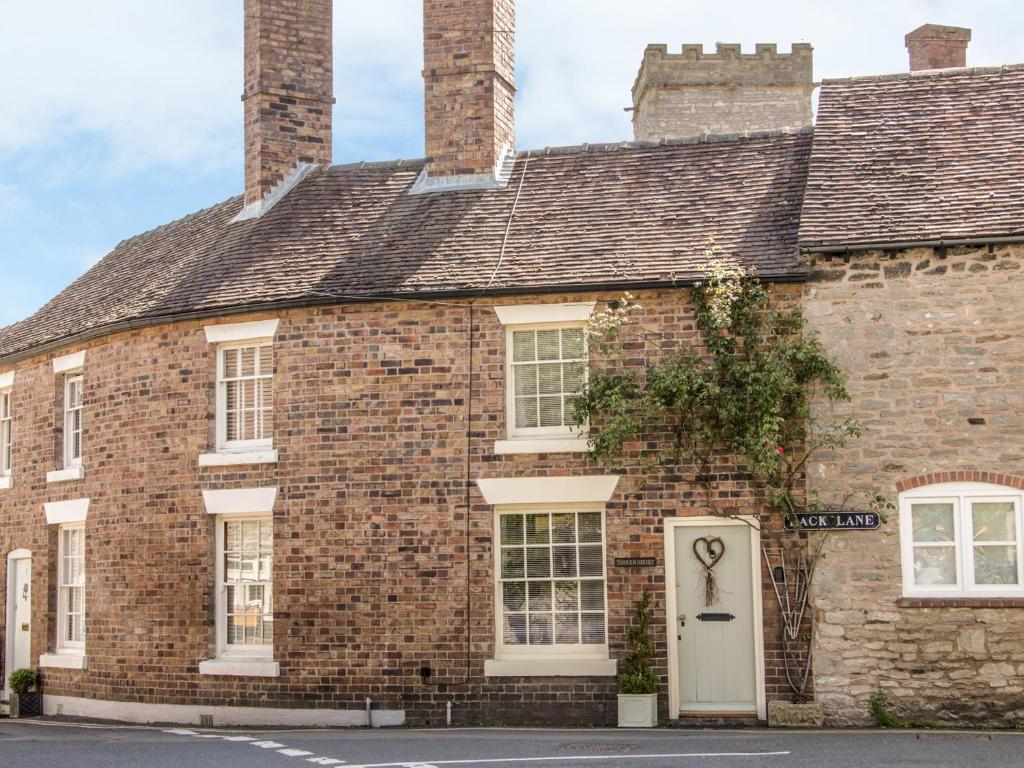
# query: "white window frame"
526, 433
961, 496
224, 445
63, 645
224, 649
6, 432
70, 460
505, 652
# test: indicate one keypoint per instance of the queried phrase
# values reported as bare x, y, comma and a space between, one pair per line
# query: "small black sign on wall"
635, 562
834, 521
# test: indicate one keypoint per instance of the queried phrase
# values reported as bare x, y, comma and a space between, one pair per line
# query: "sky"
118, 115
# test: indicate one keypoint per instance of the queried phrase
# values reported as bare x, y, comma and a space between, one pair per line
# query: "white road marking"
566, 758
265, 744
181, 732
281, 748
238, 738
293, 752
324, 761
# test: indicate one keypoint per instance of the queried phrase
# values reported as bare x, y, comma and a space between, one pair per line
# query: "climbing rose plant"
741, 395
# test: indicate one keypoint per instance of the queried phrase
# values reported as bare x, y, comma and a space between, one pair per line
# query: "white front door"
715, 619
19, 616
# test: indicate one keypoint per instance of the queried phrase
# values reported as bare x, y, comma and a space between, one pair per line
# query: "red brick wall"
370, 521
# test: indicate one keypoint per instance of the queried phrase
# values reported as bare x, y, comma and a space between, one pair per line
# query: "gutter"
326, 300
908, 244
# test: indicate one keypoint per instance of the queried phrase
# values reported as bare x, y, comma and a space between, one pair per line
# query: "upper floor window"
962, 539
71, 587
246, 395
546, 370
73, 420
6, 439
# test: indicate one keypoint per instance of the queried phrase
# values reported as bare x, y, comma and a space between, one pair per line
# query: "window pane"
994, 521
563, 528
551, 411
932, 522
514, 596
548, 345
567, 629
515, 628
550, 378
572, 343
567, 596
593, 628
591, 561
592, 595
266, 360
248, 356
526, 412
513, 564
540, 629
565, 562
526, 379
995, 565
540, 595
231, 369
537, 530
524, 346
511, 529
572, 377
590, 526
538, 562
934, 566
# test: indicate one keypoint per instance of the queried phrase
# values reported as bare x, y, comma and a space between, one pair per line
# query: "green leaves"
637, 676
744, 393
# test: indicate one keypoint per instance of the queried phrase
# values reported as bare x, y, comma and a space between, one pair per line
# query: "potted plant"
25, 702
638, 685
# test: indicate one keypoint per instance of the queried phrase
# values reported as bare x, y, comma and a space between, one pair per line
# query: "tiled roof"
917, 157
585, 216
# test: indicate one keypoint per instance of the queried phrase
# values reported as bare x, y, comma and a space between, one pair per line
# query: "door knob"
682, 620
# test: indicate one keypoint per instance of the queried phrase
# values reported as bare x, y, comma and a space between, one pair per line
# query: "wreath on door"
709, 552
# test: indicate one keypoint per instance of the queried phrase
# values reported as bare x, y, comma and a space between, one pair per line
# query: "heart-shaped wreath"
709, 552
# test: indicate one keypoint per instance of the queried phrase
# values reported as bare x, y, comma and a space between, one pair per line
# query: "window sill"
240, 667
63, 661
541, 445
63, 475
228, 459
960, 602
5, 482
560, 667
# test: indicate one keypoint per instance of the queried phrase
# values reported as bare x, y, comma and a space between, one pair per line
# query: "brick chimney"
933, 46
679, 95
289, 90
469, 84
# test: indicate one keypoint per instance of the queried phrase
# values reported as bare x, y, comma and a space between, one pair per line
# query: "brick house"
303, 457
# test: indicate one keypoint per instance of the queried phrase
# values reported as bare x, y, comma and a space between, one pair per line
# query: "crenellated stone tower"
677, 95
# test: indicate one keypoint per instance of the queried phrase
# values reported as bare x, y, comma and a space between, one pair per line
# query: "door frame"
671, 609
11, 601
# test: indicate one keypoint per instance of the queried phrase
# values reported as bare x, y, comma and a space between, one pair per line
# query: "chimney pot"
933, 46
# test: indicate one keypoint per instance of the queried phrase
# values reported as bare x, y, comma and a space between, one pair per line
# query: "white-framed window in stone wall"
546, 369
245, 586
245, 393
71, 588
962, 540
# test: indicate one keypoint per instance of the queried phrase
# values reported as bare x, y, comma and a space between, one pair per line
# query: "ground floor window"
551, 581
962, 539
245, 616
71, 587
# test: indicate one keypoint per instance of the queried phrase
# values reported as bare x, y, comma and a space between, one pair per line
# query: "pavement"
80, 745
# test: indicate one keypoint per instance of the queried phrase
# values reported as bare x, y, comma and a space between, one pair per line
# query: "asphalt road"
35, 743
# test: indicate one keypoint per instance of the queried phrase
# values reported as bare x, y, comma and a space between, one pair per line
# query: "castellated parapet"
677, 95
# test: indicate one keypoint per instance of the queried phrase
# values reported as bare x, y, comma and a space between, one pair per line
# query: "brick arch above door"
961, 476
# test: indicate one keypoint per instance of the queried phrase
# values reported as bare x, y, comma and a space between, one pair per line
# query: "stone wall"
934, 346
680, 95
377, 570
